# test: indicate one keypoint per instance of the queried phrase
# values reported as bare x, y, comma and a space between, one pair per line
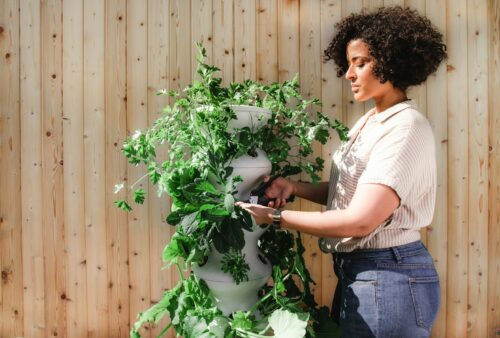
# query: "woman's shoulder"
410, 117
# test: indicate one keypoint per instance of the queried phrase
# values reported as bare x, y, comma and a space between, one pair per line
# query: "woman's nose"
349, 75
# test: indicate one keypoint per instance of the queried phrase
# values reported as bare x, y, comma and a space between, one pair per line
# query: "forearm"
332, 223
315, 193
371, 205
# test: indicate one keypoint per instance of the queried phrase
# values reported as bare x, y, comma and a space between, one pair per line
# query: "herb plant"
198, 176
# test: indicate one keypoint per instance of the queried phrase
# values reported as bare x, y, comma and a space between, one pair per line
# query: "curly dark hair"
406, 46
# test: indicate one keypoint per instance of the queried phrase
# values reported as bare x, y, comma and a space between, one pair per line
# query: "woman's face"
364, 84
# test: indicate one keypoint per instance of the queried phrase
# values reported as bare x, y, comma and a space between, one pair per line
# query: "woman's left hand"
261, 214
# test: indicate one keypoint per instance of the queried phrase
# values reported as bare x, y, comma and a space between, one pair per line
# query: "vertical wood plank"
288, 36
137, 119
158, 54
310, 83
418, 93
493, 168
388, 3
267, 41
179, 45
437, 114
331, 96
288, 58
31, 170
74, 183
180, 73
83, 290
52, 167
288, 52
458, 191
116, 167
370, 6
11, 287
478, 167
288, 39
94, 172
223, 48
353, 110
245, 42
201, 29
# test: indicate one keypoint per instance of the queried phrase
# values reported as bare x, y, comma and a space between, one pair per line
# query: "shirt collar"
382, 116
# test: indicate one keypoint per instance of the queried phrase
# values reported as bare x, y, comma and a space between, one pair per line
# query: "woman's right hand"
279, 191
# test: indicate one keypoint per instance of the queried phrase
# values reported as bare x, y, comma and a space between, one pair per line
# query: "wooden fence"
77, 76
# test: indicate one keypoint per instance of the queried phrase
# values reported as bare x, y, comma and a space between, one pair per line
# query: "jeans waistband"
397, 252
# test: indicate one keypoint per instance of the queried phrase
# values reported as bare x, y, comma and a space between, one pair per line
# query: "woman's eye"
360, 65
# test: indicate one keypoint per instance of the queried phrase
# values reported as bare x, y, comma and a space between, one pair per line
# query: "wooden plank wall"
78, 76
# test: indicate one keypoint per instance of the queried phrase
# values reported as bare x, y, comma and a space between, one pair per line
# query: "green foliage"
122, 204
197, 174
234, 263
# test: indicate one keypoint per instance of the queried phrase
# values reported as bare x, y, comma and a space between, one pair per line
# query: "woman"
383, 181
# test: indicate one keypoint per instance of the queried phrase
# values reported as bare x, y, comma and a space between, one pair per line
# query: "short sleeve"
397, 158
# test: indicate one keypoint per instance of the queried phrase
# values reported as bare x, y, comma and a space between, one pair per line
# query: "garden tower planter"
229, 295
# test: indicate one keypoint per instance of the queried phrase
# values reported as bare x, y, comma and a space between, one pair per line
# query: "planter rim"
243, 107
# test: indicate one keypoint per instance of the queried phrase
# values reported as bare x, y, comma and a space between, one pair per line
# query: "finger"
271, 204
243, 205
266, 178
282, 202
277, 203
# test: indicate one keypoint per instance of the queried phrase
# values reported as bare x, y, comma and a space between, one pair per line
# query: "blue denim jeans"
391, 292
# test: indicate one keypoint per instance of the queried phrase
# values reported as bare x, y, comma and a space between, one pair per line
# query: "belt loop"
397, 256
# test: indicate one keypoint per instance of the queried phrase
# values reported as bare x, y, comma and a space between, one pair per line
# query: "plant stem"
265, 329
162, 333
256, 305
252, 334
181, 276
140, 179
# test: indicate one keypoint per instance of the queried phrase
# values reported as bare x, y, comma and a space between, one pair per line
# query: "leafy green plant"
198, 176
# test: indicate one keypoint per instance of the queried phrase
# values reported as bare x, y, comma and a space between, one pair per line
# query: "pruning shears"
257, 196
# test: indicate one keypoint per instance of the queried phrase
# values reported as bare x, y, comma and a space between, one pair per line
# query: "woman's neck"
390, 99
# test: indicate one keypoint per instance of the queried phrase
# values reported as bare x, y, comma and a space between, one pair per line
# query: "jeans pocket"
355, 272
425, 294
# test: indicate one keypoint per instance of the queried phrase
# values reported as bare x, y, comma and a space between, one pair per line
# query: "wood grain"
94, 135
223, 35
331, 96
477, 284
436, 102
79, 76
117, 234
31, 170
493, 290
458, 191
245, 31
159, 208
310, 84
11, 265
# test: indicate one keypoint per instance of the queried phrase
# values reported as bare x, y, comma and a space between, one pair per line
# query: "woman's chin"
359, 97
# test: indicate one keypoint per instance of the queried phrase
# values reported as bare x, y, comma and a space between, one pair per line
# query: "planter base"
231, 297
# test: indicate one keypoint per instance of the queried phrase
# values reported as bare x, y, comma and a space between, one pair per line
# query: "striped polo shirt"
395, 148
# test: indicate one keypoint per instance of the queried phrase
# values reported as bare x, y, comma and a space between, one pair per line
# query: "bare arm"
370, 206
317, 193
282, 188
